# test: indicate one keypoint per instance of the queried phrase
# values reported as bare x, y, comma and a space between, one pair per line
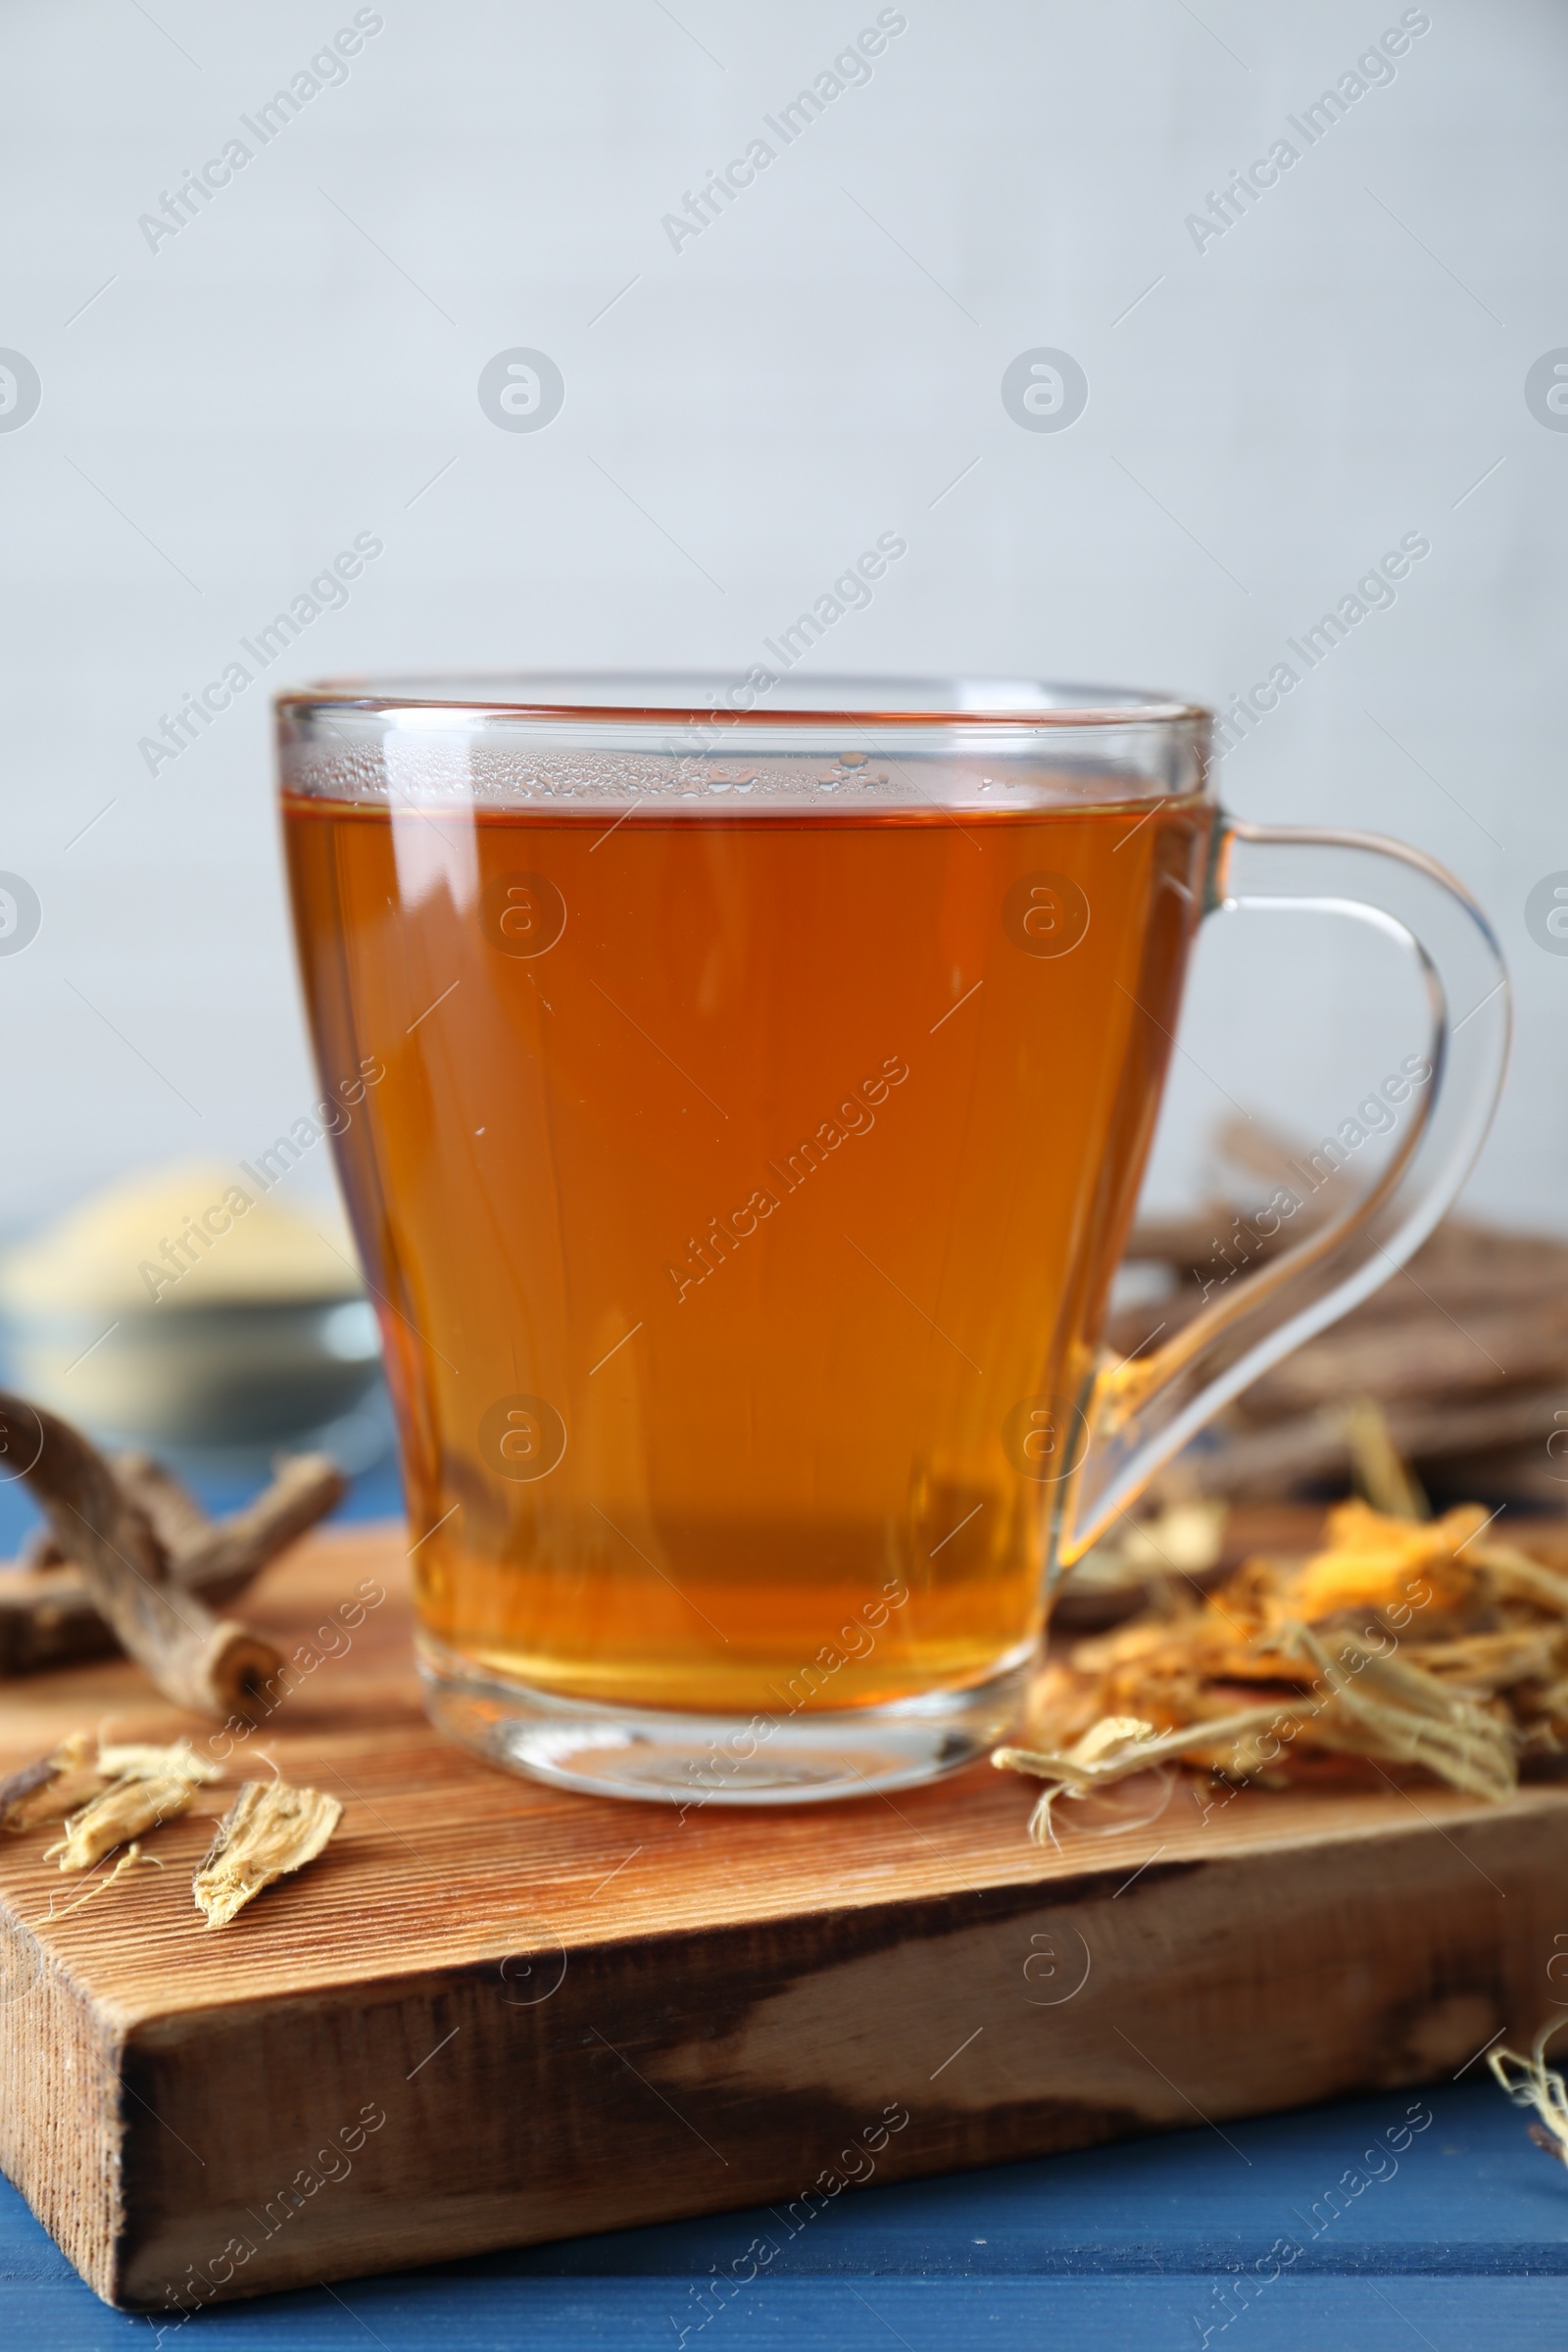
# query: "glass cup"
755, 1083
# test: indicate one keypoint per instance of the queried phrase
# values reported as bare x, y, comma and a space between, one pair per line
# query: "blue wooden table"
1461, 2240
1295, 2234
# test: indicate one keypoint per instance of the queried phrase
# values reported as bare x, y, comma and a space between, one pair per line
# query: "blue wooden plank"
1467, 2191
1000, 2315
947, 2315
1462, 2230
377, 1494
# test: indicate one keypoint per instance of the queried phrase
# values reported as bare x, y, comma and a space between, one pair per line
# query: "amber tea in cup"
767, 1094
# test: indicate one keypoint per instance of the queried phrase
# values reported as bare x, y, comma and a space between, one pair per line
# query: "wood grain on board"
575, 2015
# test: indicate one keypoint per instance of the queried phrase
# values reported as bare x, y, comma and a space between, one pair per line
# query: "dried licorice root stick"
177, 1518
208, 1664
270, 1829
218, 1556
222, 1558
46, 1615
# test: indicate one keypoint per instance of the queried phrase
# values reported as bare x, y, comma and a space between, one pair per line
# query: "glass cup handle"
1141, 1413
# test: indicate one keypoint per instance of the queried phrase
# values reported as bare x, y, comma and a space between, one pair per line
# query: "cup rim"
645, 699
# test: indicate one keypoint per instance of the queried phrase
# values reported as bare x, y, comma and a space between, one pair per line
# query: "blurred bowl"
248, 1329
211, 1376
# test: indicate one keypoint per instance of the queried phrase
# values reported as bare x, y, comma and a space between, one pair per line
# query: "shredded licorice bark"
1401, 1642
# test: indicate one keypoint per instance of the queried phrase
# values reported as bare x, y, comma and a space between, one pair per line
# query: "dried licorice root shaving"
142, 1760
52, 1787
112, 1797
120, 1814
1531, 2082
270, 1829
106, 1798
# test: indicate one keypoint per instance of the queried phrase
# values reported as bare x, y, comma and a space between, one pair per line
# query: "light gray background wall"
1266, 415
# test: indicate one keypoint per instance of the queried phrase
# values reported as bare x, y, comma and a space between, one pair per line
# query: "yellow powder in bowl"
193, 1236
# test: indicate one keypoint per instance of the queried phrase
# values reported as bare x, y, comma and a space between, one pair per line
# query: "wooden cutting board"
494, 2014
